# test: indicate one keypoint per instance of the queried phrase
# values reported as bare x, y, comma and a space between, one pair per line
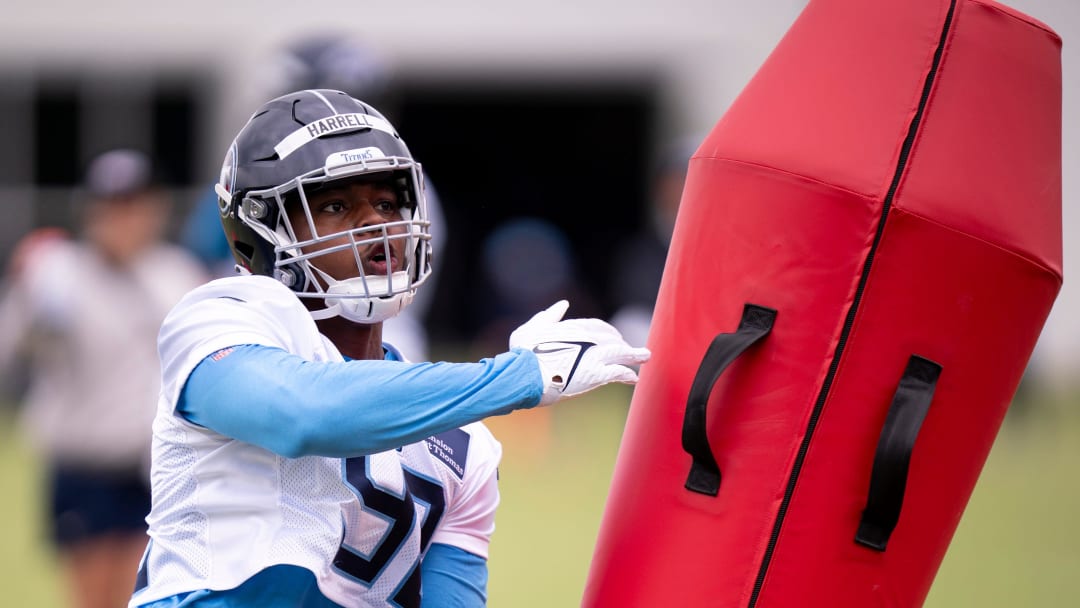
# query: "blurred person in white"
84, 313
300, 461
339, 61
640, 260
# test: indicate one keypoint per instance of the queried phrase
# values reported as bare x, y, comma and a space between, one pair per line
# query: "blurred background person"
639, 264
340, 62
82, 314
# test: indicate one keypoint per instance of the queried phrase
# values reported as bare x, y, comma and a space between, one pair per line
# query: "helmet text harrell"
337, 123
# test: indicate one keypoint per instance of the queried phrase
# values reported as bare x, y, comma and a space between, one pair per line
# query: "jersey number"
400, 511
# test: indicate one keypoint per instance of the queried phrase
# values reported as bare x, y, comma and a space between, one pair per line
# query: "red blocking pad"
868, 245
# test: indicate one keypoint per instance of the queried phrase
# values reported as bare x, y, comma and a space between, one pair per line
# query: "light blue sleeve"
293, 407
451, 577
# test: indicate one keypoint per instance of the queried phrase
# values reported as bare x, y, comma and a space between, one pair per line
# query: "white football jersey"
224, 510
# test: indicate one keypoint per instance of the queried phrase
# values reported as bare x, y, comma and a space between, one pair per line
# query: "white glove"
576, 355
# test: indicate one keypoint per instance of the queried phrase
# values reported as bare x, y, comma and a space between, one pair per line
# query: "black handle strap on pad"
757, 321
889, 474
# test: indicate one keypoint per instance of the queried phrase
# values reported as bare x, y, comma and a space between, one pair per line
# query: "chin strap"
342, 300
378, 310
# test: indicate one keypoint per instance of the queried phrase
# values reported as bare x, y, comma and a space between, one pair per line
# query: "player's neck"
353, 340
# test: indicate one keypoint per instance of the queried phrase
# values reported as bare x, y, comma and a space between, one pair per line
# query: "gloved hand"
576, 355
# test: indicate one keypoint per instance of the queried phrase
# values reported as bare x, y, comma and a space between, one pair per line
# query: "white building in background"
703, 52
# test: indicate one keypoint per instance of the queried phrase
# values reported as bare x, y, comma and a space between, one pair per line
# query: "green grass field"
1018, 543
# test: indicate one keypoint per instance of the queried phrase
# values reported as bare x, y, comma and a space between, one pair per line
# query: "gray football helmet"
303, 141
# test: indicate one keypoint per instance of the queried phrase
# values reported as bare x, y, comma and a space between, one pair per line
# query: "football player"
298, 459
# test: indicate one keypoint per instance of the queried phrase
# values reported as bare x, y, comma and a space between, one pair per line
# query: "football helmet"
303, 141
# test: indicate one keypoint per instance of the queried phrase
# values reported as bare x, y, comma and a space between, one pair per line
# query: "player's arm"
452, 576
294, 407
34, 293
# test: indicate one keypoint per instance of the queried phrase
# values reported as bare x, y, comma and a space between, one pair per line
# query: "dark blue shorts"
85, 505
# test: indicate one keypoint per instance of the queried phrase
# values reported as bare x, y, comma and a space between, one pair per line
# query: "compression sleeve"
450, 576
294, 407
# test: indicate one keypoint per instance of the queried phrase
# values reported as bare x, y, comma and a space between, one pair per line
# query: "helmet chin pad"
350, 298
